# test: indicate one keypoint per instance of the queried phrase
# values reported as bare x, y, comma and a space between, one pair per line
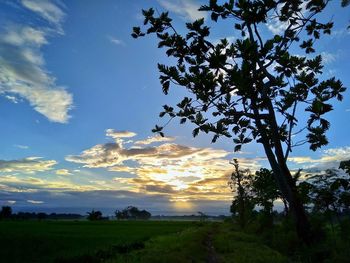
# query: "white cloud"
276, 26
27, 165
35, 202
24, 147
187, 9
119, 134
329, 158
48, 10
22, 73
327, 57
13, 99
116, 41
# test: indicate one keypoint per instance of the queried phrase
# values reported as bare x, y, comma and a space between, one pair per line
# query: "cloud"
19, 146
178, 171
116, 41
35, 202
330, 158
114, 154
13, 99
47, 10
27, 165
63, 172
155, 139
328, 58
119, 134
276, 26
22, 67
187, 9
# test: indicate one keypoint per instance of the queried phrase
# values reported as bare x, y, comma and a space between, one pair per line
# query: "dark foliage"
95, 215
132, 212
6, 212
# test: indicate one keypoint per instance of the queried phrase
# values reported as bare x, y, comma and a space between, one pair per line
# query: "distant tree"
328, 192
253, 88
243, 201
202, 216
94, 215
42, 216
6, 212
132, 212
265, 191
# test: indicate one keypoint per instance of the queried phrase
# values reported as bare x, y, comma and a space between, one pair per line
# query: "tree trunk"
282, 174
289, 191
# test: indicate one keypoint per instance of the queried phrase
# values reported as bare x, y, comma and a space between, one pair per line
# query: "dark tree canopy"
243, 202
132, 212
94, 215
252, 88
6, 212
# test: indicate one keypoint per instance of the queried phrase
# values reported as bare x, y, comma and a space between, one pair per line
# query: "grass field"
76, 241
130, 241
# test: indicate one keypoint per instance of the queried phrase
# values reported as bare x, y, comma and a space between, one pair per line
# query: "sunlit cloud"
155, 139
27, 165
65, 172
167, 168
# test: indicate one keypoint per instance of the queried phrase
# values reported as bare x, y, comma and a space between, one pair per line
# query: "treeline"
128, 213
6, 213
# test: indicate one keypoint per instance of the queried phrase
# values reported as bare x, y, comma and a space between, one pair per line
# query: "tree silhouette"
265, 192
253, 88
132, 212
243, 202
6, 212
94, 215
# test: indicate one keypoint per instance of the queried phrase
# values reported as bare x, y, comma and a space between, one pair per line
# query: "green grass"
238, 247
191, 245
48, 241
131, 241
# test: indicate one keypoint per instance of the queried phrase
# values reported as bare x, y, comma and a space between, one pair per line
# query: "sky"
79, 98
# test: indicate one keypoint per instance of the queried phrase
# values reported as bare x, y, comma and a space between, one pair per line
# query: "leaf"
195, 132
237, 148
166, 87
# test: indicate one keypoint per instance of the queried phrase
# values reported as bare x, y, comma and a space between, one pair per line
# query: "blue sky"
79, 98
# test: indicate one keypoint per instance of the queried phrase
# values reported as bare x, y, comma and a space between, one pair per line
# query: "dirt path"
212, 256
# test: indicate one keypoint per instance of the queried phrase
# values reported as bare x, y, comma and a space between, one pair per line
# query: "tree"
265, 192
253, 88
6, 212
132, 212
94, 215
243, 202
329, 192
